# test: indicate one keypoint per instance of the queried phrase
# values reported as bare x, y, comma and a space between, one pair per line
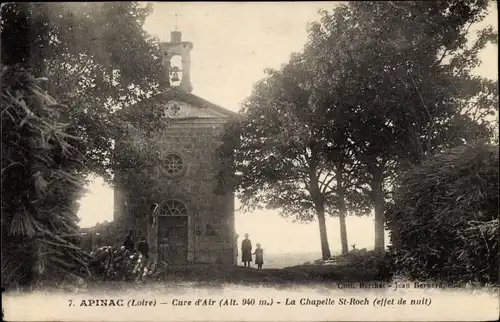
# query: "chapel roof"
176, 94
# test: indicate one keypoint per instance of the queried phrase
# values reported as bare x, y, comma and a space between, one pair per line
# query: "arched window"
173, 208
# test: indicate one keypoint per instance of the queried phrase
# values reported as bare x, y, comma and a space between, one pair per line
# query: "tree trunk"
378, 199
325, 247
343, 232
342, 211
319, 203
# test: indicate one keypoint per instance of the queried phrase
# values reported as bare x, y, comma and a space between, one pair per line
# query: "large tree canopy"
289, 154
378, 85
96, 58
92, 59
402, 77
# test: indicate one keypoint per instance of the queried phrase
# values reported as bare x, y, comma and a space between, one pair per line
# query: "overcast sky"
233, 44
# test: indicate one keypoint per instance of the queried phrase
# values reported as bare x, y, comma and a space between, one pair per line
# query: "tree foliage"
136, 165
444, 221
287, 153
401, 78
378, 86
96, 58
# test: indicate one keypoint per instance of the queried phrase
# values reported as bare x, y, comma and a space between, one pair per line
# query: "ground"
217, 275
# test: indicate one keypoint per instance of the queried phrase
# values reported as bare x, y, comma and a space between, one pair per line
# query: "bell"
175, 77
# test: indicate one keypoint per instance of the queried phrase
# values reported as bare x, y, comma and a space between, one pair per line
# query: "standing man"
129, 243
246, 251
143, 248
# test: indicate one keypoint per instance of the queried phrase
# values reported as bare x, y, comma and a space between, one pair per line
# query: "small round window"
174, 165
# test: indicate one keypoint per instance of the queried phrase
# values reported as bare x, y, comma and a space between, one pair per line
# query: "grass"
220, 276
216, 275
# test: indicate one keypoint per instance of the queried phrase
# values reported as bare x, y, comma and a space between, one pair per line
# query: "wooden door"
173, 239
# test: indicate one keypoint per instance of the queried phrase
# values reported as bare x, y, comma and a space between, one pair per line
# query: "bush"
39, 185
377, 264
444, 220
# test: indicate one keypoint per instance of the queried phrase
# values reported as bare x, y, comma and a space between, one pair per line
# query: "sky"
233, 43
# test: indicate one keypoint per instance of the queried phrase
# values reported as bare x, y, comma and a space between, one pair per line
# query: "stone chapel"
187, 222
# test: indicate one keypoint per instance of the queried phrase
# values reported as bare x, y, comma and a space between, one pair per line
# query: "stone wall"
211, 230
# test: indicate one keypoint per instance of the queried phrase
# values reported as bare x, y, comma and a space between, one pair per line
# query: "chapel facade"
188, 220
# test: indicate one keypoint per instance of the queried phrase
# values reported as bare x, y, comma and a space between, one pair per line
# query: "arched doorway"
173, 232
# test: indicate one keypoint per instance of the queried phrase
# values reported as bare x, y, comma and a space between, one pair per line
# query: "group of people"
140, 257
142, 246
119, 262
246, 250
246, 253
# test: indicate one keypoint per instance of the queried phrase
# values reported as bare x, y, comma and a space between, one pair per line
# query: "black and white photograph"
250, 161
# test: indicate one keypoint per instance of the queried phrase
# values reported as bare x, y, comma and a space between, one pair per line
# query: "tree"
96, 58
93, 58
284, 150
406, 82
135, 158
341, 151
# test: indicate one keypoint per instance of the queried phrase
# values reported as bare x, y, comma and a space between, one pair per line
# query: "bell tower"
173, 49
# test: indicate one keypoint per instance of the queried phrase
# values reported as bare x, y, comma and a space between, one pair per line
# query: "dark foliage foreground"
111, 263
445, 218
39, 186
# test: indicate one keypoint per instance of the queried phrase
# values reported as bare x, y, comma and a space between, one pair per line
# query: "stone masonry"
193, 214
211, 235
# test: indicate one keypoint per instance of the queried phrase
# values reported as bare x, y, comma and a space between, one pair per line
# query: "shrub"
39, 223
372, 263
444, 219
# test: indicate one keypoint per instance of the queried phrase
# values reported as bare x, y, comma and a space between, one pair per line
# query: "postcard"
250, 161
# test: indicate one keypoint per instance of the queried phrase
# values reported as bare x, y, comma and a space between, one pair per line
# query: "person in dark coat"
259, 257
129, 242
143, 248
246, 251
